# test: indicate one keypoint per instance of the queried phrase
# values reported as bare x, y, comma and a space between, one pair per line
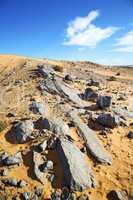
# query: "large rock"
77, 173
93, 144
38, 161
104, 101
108, 120
23, 130
13, 159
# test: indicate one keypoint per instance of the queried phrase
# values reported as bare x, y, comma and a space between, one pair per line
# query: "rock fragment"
76, 176
93, 144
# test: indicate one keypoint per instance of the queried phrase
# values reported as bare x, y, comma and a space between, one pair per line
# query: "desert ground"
19, 88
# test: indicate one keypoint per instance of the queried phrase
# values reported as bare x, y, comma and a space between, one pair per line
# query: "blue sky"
95, 30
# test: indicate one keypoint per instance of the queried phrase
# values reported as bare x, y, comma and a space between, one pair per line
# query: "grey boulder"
77, 173
23, 130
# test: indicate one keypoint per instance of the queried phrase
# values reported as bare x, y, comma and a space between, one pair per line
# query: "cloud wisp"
82, 32
125, 43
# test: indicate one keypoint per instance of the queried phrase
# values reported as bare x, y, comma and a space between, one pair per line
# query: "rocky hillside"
66, 130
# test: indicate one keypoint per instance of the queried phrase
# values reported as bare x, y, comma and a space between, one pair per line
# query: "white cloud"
82, 32
125, 43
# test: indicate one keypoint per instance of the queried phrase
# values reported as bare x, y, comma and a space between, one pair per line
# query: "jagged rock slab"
55, 86
49, 85
70, 93
92, 142
38, 161
77, 173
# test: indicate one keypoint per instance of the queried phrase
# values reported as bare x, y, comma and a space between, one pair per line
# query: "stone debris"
77, 176
108, 120
93, 83
93, 144
23, 130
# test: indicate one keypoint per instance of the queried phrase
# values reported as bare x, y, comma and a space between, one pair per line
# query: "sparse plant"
58, 68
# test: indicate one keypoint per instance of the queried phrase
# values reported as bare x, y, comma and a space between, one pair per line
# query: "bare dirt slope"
19, 87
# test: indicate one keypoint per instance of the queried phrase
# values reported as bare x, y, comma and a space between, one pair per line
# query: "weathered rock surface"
38, 107
104, 101
93, 144
108, 120
77, 173
23, 130
38, 161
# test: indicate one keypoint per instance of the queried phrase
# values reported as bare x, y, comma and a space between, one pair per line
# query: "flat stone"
77, 176
93, 144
